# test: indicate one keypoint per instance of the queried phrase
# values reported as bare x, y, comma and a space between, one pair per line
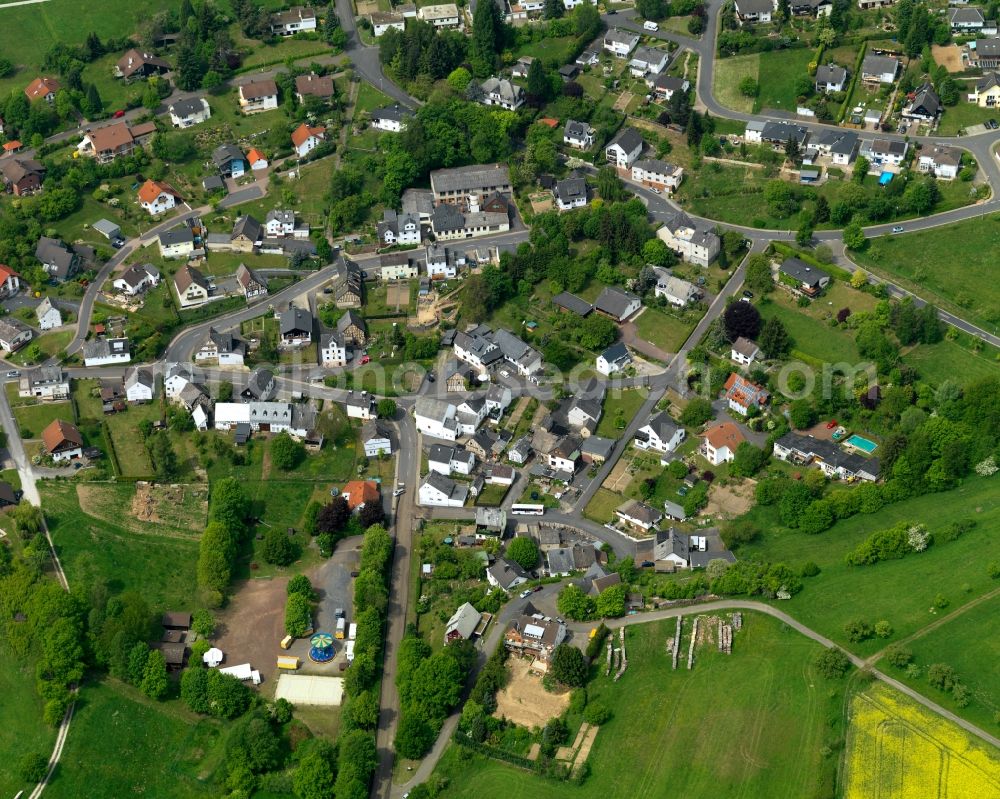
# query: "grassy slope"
901, 591
159, 749
728, 74
780, 70
161, 567
21, 727
966, 644
629, 401
751, 724
953, 265
948, 360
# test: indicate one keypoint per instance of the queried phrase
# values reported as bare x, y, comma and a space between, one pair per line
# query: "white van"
650, 26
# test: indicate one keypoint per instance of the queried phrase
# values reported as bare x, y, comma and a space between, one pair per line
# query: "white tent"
213, 657
240, 672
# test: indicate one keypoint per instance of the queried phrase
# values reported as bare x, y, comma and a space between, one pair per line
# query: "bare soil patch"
525, 701
949, 56
182, 506
730, 500
541, 202
620, 477
398, 294
623, 100
251, 628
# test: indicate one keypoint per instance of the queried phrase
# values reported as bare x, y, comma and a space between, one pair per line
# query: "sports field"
897, 749
751, 724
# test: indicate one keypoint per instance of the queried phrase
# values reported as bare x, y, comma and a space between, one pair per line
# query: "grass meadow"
900, 591
751, 724
22, 730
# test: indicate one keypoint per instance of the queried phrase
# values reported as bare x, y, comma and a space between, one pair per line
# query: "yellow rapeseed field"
897, 749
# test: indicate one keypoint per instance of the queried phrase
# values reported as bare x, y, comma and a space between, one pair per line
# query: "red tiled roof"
40, 87
59, 433
152, 189
303, 132
743, 392
722, 435
360, 492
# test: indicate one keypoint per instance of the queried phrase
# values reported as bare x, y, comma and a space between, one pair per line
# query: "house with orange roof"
360, 492
256, 159
12, 146
157, 197
62, 441
118, 139
744, 396
42, 89
306, 138
10, 281
719, 443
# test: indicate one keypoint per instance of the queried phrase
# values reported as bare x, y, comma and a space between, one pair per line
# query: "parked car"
831, 424
117, 242
14, 373
748, 294
398, 491
431, 378
365, 359
993, 124
525, 594
897, 228
119, 113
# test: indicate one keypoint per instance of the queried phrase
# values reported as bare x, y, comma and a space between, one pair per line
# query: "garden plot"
525, 701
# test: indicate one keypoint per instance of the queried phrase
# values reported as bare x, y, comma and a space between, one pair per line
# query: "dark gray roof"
225, 342
249, 227
595, 445
571, 189
225, 153
830, 73
179, 235
879, 64
296, 319
56, 253
926, 101
754, 6
614, 301
394, 113
577, 130
988, 47
187, 107
783, 131
470, 178
664, 427
616, 352
828, 452
573, 303
213, 183
803, 272
628, 139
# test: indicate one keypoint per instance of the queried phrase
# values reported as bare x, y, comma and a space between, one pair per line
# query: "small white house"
942, 162
375, 438
360, 405
136, 279
744, 351
176, 243
440, 491
661, 433
106, 352
306, 138
392, 118
157, 198
436, 418
192, 111
578, 135
657, 174
138, 385
332, 350
677, 292
614, 359
620, 42
48, 315
624, 148
448, 460
719, 443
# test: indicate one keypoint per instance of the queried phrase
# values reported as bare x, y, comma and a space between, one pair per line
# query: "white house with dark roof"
436, 418
48, 315
879, 69
136, 279
578, 135
570, 193
639, 515
665, 85
695, 246
189, 111
392, 118
139, 384
106, 352
620, 42
830, 78
614, 359
657, 174
754, 10
970, 20
450, 460
332, 349
258, 95
14, 334
375, 439
360, 405
925, 104
45, 383
942, 162
176, 243
440, 491
502, 92
661, 434
676, 291
398, 228
744, 351
299, 19
192, 287
648, 61
223, 348
624, 148
986, 91
506, 574
884, 152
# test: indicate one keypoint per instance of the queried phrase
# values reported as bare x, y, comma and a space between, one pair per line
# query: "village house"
137, 64
14, 334
754, 10
448, 460
442, 262
385, 20
570, 193
44, 383
970, 20
924, 106
664, 86
189, 111
744, 351
332, 350
42, 89
578, 135
680, 234
48, 315
360, 405
879, 69
466, 185
624, 148
617, 304
224, 348
348, 290
620, 42
177, 242
295, 20
136, 279
674, 290
532, 635
438, 490
449, 223
157, 197
502, 92
375, 438
359, 493
352, 329
777, 134
841, 146
744, 396
830, 78
21, 176
192, 287
802, 277
306, 138
114, 140
506, 574
445, 15
986, 92
614, 359
58, 260
398, 228
247, 235
942, 162
139, 384
10, 282
313, 85
648, 61
827, 456
229, 160
660, 434
719, 443
463, 624
106, 352
295, 328
436, 418
397, 266
257, 160
657, 174
62, 441
639, 515
258, 95
392, 118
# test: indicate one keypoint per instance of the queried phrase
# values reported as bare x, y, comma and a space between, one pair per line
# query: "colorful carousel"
321, 648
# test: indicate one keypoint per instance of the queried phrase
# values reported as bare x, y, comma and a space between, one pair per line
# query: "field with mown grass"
122, 743
953, 266
620, 407
900, 591
756, 723
22, 730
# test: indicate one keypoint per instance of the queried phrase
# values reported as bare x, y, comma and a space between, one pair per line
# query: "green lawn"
964, 644
33, 419
664, 329
948, 360
810, 336
370, 98
728, 74
601, 508
122, 743
491, 495
22, 730
957, 117
953, 266
161, 566
619, 405
42, 348
780, 70
756, 723
900, 591
129, 445
555, 50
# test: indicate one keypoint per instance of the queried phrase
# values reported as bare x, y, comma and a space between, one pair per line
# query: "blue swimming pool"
884, 178
859, 442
